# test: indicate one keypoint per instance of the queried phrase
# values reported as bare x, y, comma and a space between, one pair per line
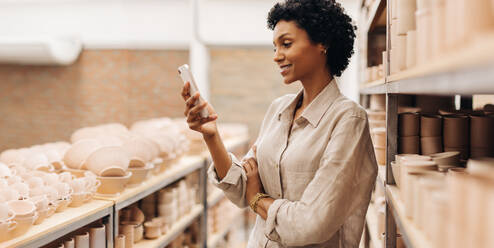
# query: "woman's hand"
254, 184
206, 126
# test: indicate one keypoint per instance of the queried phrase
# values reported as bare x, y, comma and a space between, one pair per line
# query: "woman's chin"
288, 80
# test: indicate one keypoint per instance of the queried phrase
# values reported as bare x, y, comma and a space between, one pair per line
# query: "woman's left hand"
254, 184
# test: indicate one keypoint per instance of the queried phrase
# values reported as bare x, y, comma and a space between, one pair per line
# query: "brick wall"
47, 103
244, 81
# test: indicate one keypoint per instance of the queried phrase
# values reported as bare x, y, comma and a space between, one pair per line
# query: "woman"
311, 171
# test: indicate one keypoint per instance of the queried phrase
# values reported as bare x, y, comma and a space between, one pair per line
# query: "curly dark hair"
325, 22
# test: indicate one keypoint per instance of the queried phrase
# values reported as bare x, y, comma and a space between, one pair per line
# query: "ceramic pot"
431, 126
482, 132
411, 49
120, 241
408, 124
82, 240
139, 174
107, 157
410, 145
456, 131
97, 236
152, 230
431, 145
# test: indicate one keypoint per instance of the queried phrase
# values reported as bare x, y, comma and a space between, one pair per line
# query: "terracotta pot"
137, 227
406, 17
456, 131
424, 32
106, 157
431, 126
408, 124
77, 154
431, 145
410, 145
482, 131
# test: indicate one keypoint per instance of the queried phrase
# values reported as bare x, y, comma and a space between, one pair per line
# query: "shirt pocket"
296, 182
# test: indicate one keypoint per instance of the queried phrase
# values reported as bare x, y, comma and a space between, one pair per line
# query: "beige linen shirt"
320, 171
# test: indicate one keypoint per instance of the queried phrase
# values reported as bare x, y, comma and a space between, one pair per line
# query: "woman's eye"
287, 44
274, 49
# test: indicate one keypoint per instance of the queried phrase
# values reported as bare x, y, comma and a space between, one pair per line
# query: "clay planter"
431, 126
113, 185
456, 131
410, 145
408, 124
482, 131
431, 145
108, 157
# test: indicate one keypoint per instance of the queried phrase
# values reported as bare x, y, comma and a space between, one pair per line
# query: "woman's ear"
322, 48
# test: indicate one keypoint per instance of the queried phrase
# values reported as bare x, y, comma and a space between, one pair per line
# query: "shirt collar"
316, 109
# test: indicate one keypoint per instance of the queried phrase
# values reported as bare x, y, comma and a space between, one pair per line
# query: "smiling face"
296, 55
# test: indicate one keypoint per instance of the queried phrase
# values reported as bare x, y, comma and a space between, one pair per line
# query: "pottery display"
75, 157
139, 174
106, 158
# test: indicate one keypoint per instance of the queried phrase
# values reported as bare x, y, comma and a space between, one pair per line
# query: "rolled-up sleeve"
233, 184
342, 183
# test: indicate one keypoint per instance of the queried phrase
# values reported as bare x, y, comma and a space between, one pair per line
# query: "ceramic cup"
65, 177
431, 145
408, 124
456, 131
22, 208
5, 228
82, 240
6, 213
97, 236
431, 126
41, 202
35, 182
409, 144
9, 194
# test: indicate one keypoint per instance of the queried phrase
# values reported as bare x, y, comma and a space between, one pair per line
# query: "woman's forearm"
221, 159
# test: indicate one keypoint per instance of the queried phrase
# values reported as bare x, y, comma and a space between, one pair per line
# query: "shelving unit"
60, 224
107, 207
467, 71
215, 238
174, 231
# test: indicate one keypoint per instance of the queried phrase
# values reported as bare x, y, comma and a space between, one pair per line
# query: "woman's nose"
278, 56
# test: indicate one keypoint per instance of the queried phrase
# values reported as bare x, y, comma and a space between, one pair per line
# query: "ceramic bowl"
113, 185
62, 204
79, 198
409, 144
139, 174
446, 158
75, 157
112, 171
408, 124
106, 157
418, 166
431, 145
464, 151
139, 151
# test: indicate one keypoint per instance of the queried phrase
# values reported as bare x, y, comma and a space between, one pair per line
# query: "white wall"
155, 24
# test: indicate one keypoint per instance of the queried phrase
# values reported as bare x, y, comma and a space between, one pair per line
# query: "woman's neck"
314, 85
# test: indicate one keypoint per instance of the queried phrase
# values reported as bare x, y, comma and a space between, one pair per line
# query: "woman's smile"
285, 69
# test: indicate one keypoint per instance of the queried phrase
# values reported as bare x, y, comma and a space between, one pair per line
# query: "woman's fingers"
197, 109
190, 103
186, 91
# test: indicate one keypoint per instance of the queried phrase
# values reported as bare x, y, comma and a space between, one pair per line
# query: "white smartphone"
186, 76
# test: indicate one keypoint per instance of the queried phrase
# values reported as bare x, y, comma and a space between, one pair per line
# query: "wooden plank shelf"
60, 224
413, 237
174, 231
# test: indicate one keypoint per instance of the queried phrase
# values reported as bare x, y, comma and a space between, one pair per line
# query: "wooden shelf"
372, 225
413, 237
62, 223
185, 166
216, 237
215, 197
375, 87
173, 232
467, 71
